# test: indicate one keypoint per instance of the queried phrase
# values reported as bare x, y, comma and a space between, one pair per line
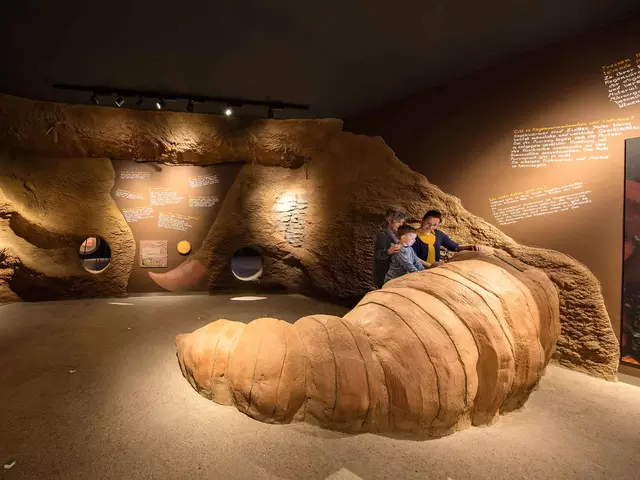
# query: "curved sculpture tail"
431, 352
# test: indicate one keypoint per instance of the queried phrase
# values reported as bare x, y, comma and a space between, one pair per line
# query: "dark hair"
432, 214
396, 214
404, 229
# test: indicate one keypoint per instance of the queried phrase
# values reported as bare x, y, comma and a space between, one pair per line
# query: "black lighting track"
172, 96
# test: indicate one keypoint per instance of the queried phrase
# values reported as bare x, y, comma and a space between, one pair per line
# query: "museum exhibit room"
350, 240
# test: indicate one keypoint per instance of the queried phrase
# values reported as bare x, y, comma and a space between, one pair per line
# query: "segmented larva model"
431, 352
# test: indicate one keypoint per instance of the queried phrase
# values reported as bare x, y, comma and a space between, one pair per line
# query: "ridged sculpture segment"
431, 352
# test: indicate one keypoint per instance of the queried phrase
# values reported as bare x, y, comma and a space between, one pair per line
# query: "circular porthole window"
246, 264
95, 254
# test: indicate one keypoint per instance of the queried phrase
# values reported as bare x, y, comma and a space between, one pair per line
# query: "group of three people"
401, 249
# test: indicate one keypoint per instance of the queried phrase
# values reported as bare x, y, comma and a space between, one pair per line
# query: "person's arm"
454, 247
430, 265
406, 262
448, 243
383, 247
472, 248
417, 262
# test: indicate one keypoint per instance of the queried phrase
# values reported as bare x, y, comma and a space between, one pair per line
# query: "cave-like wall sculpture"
55, 175
432, 352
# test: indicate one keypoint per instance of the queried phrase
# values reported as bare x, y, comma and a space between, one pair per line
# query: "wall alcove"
95, 254
246, 264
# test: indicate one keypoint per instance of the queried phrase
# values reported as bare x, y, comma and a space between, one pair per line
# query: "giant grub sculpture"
431, 352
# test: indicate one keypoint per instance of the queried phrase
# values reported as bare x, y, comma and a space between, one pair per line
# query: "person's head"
395, 217
430, 221
406, 235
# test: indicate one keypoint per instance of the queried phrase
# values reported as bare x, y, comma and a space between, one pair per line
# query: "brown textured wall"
47, 208
78, 131
460, 137
56, 176
336, 185
348, 185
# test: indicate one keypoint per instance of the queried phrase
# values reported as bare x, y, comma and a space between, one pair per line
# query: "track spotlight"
147, 98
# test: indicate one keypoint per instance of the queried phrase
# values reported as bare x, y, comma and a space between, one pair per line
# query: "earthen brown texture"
460, 136
431, 352
59, 130
47, 209
347, 180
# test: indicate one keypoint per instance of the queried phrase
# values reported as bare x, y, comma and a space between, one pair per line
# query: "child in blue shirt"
404, 260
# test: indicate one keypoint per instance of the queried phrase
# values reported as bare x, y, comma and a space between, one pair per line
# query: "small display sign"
153, 253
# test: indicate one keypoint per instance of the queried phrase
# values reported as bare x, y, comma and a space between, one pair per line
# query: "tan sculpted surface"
432, 352
47, 209
313, 220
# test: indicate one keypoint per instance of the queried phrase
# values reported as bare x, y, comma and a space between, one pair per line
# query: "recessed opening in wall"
95, 254
246, 264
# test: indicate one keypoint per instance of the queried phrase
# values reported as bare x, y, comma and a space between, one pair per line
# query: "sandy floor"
92, 389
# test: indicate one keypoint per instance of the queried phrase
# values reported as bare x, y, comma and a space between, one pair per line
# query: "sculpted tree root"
432, 352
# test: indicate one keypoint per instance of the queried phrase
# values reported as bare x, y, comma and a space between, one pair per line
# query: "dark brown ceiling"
342, 57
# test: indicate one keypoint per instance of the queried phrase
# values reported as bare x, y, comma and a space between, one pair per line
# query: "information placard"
153, 253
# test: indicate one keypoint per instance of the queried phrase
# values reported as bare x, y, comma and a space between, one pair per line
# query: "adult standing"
387, 244
430, 240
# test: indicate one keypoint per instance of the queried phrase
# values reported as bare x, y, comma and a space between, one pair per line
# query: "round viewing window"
95, 254
246, 264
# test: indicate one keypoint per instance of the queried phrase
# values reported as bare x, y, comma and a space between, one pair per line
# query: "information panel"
165, 205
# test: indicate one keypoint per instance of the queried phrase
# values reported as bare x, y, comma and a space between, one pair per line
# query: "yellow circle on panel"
184, 247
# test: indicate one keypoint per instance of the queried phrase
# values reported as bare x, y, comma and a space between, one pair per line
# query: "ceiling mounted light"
119, 101
270, 112
94, 99
190, 106
159, 104
228, 111
139, 102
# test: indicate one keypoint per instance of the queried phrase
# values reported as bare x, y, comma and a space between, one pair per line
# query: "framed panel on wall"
630, 331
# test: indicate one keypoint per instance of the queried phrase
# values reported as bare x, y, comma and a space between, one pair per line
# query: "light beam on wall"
94, 99
228, 111
159, 104
119, 101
